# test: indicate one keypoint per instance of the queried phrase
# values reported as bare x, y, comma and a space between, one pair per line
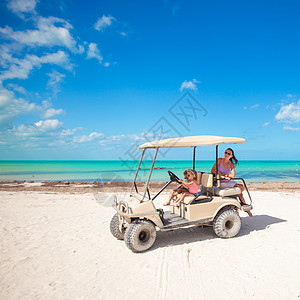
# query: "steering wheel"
173, 177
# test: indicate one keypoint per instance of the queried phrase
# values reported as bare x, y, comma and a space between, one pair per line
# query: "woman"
226, 170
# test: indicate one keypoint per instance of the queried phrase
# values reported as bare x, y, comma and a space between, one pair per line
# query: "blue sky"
91, 79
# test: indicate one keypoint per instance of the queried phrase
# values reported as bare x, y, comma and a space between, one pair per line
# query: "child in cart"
179, 190
191, 186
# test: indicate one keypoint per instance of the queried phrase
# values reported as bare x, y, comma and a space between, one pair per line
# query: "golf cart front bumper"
136, 210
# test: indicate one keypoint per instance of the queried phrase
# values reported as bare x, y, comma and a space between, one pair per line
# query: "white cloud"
255, 106
40, 135
38, 129
11, 108
51, 112
88, 138
47, 111
80, 49
55, 79
59, 58
50, 32
93, 52
69, 132
51, 133
20, 7
288, 128
19, 57
113, 139
48, 125
109, 140
17, 88
121, 139
189, 85
289, 113
123, 33
20, 68
266, 124
6, 54
104, 22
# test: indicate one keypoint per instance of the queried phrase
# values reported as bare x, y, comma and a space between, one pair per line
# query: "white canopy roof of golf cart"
192, 141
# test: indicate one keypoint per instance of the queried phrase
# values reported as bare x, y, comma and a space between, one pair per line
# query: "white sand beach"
58, 246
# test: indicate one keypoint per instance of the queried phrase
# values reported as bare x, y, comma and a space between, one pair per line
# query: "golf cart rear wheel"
114, 228
140, 235
227, 223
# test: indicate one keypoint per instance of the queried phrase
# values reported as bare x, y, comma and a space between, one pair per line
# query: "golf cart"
136, 218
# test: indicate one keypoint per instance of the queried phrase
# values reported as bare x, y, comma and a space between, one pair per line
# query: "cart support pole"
137, 171
194, 156
216, 176
147, 185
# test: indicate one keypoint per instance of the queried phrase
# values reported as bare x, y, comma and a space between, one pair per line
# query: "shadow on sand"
192, 234
257, 222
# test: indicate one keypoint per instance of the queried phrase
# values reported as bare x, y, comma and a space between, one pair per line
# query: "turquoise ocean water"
251, 171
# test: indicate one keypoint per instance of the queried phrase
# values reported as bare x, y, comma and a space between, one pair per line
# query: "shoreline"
124, 186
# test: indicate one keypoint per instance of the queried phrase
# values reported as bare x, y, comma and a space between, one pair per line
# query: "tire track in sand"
191, 275
187, 275
187, 270
162, 274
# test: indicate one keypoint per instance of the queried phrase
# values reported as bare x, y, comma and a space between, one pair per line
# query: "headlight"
123, 207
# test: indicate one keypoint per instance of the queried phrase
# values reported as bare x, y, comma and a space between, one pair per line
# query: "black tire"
114, 228
140, 235
227, 223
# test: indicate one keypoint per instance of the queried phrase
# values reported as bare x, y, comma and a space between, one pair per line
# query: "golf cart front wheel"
140, 235
115, 229
227, 224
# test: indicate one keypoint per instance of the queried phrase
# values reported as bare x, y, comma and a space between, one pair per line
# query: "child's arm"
187, 184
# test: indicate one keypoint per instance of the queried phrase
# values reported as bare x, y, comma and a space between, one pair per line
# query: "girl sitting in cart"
191, 187
177, 191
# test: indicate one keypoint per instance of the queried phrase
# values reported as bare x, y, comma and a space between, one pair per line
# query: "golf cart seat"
227, 192
199, 177
187, 200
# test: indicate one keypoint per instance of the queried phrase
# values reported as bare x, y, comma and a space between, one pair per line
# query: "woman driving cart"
226, 170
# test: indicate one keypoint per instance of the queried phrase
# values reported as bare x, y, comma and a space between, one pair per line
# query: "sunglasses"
228, 153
